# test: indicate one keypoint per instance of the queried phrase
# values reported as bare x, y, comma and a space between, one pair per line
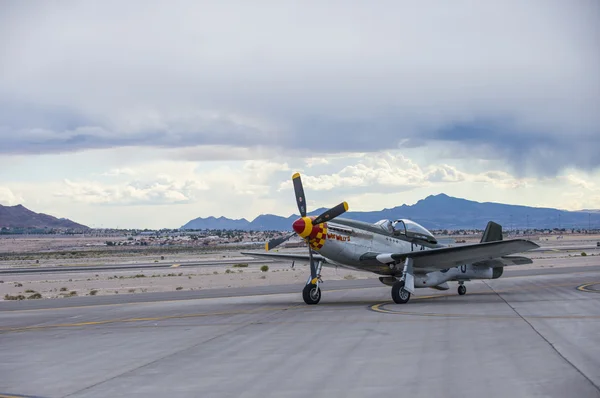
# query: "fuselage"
347, 241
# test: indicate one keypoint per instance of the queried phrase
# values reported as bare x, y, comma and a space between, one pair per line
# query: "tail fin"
492, 233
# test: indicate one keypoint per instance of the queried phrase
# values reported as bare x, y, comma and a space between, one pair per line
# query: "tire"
311, 294
399, 295
462, 290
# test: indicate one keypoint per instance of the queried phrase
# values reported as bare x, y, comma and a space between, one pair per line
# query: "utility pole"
527, 225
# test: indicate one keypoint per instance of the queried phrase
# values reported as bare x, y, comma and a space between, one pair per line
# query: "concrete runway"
522, 335
128, 266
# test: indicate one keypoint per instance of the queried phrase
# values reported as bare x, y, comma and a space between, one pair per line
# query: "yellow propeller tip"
297, 175
267, 246
346, 206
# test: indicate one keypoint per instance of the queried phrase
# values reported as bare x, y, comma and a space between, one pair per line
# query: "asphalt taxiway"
529, 333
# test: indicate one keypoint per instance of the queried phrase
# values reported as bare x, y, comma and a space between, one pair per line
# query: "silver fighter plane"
405, 254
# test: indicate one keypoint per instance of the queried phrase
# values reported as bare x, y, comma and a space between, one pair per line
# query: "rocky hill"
20, 217
434, 212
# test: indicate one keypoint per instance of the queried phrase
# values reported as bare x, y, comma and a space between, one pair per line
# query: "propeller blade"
332, 213
273, 243
299, 191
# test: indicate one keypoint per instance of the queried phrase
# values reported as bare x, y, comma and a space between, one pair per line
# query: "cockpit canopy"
408, 228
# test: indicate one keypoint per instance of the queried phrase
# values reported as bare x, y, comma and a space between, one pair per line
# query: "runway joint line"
544, 338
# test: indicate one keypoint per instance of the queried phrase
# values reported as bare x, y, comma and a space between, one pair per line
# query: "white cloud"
312, 162
8, 198
235, 189
445, 173
119, 172
500, 179
163, 190
580, 182
388, 171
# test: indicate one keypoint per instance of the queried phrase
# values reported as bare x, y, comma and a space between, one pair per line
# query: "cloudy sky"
148, 114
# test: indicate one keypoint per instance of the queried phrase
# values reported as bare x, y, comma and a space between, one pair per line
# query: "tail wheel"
399, 295
311, 294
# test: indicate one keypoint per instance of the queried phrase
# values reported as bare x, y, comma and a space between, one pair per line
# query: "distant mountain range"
20, 217
434, 212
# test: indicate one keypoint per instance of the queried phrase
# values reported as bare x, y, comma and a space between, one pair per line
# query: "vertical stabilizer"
492, 233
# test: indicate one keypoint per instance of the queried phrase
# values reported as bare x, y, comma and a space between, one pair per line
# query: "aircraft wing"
286, 256
447, 257
504, 261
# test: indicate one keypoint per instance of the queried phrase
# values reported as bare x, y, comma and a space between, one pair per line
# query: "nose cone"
299, 226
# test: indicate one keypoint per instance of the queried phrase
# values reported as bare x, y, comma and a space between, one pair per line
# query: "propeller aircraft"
405, 254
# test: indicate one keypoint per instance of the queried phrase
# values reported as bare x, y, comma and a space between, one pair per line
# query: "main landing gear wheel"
311, 294
462, 290
399, 295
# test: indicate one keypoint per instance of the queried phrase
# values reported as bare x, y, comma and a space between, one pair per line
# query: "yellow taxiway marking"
145, 319
177, 300
276, 294
379, 308
586, 287
13, 396
512, 289
175, 266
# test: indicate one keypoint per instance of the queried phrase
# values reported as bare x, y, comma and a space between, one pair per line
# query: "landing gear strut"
402, 289
311, 292
462, 289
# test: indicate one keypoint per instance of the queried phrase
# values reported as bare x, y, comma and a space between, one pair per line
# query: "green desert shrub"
18, 297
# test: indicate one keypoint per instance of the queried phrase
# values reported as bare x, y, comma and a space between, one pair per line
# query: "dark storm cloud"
34, 129
526, 150
516, 80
